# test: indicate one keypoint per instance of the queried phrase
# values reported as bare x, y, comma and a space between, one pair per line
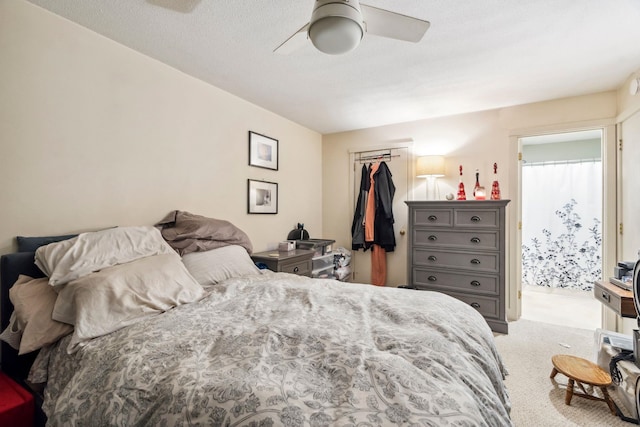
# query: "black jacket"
357, 226
384, 190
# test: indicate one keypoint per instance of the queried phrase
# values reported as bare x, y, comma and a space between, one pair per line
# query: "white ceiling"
477, 55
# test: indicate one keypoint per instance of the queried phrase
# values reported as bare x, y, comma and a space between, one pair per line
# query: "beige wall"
628, 104
475, 140
93, 134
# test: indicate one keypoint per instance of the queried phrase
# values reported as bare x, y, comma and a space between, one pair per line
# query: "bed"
235, 345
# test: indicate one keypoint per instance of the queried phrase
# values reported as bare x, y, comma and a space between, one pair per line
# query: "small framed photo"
263, 151
262, 197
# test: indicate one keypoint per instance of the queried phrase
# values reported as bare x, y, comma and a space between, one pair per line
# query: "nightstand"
298, 261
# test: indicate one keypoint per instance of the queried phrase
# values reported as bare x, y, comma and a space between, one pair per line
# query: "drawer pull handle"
432, 218
475, 283
432, 258
475, 218
432, 278
606, 296
296, 269
475, 261
475, 240
432, 238
475, 305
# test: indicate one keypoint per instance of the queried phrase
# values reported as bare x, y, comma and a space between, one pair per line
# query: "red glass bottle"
495, 187
461, 194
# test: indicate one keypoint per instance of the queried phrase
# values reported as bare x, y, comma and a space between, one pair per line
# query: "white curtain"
561, 224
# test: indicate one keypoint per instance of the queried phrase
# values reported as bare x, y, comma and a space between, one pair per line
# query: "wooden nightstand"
298, 261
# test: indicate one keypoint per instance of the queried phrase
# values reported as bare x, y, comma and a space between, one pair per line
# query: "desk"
616, 298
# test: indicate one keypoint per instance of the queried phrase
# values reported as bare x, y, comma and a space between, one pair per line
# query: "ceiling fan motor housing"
336, 27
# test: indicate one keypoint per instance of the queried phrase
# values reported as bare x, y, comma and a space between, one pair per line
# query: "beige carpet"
537, 400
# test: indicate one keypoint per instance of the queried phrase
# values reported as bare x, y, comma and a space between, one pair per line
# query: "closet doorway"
562, 194
397, 161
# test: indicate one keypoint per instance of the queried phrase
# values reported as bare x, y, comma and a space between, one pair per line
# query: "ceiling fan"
338, 26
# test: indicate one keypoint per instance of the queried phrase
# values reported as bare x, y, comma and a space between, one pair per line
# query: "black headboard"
11, 266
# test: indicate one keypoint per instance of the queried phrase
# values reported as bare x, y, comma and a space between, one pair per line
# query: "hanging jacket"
383, 224
370, 210
357, 227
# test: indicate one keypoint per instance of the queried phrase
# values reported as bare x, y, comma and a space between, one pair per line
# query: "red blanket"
16, 404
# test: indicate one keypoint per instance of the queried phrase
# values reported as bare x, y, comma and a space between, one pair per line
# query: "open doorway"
562, 228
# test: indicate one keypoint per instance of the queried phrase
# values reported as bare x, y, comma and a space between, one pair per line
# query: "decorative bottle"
495, 187
477, 186
461, 193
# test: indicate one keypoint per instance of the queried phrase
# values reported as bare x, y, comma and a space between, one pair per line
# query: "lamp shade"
430, 166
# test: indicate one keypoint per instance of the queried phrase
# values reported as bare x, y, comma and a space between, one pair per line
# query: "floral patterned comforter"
278, 349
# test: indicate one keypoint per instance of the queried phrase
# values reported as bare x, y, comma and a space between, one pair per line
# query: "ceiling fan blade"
393, 25
295, 42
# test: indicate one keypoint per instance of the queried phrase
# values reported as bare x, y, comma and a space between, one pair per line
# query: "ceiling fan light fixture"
336, 27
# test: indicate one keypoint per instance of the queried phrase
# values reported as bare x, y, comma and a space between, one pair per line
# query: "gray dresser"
458, 248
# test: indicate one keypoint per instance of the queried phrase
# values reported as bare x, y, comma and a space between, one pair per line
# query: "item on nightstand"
624, 268
461, 194
16, 404
298, 233
320, 246
287, 245
625, 282
342, 264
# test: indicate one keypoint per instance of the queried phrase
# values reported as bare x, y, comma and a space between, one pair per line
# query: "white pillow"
213, 266
119, 296
88, 252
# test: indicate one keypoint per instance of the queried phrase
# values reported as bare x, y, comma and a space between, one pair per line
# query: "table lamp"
431, 168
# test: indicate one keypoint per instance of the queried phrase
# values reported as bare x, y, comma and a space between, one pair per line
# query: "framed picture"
262, 197
263, 151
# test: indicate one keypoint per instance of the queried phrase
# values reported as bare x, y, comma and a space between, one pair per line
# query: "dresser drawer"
617, 299
302, 268
477, 218
435, 279
487, 306
469, 261
485, 240
433, 217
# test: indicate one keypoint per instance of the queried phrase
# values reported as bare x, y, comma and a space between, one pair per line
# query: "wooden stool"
583, 372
